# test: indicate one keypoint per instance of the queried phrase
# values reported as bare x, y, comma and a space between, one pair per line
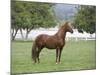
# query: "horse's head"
68, 27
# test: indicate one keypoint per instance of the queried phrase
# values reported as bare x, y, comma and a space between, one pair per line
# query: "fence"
75, 36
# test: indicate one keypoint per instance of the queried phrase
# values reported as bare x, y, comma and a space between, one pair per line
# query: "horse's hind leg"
34, 56
38, 53
34, 60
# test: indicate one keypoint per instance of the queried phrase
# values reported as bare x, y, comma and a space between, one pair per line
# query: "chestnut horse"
56, 41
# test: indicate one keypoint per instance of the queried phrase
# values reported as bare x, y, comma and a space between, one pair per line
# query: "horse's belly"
51, 47
54, 44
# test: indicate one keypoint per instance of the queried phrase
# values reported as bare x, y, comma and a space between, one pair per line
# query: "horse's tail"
34, 51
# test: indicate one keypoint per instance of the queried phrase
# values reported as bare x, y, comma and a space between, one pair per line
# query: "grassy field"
78, 55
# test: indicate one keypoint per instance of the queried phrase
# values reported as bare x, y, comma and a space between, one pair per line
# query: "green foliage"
29, 15
85, 19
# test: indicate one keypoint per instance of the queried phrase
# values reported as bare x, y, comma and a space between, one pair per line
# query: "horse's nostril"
72, 31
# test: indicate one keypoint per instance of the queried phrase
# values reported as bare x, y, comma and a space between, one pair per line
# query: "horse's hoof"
58, 62
38, 62
34, 62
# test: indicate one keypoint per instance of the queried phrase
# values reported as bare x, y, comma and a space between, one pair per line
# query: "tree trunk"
90, 35
27, 32
22, 34
14, 34
26, 35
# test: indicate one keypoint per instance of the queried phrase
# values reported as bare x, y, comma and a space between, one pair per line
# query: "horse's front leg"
56, 55
59, 55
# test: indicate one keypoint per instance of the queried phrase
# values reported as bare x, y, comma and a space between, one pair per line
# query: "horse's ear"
66, 22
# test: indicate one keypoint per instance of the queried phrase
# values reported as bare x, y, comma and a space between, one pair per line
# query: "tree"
30, 15
15, 19
85, 19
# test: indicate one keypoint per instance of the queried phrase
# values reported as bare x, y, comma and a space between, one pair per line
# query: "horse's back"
40, 39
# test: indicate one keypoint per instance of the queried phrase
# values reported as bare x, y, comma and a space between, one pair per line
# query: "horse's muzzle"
72, 31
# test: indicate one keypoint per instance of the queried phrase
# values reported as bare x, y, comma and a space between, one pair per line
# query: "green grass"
78, 55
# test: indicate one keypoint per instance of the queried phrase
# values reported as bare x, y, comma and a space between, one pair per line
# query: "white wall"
52, 31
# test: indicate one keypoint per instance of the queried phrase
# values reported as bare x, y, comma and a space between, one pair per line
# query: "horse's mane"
63, 25
62, 28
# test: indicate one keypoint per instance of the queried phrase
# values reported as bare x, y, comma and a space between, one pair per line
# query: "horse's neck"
61, 34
